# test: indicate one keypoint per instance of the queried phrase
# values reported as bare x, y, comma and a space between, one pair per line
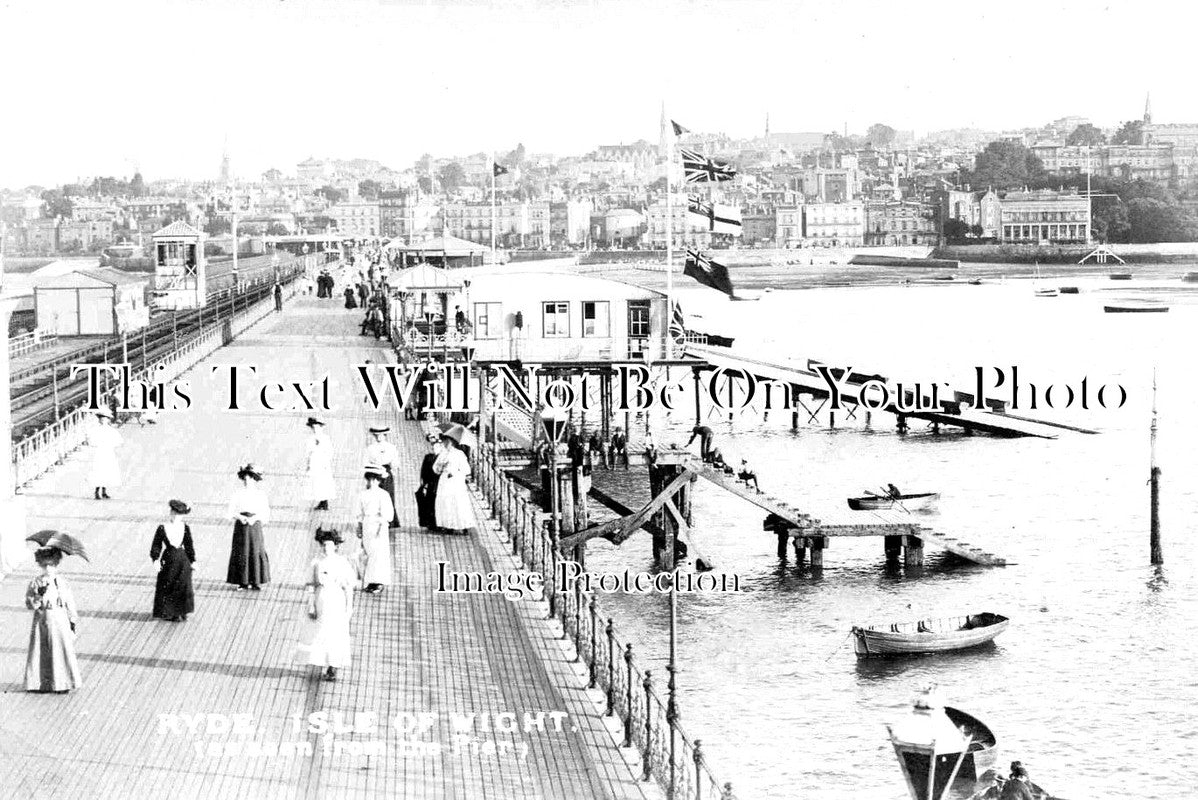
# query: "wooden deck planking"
413, 651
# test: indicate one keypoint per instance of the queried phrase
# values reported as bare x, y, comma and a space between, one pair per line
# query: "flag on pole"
708, 272
698, 168
717, 218
678, 325
678, 129
498, 169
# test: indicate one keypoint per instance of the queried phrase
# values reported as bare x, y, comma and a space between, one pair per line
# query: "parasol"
65, 542
458, 433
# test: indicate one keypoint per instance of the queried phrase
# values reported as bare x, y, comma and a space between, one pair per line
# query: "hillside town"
1067, 182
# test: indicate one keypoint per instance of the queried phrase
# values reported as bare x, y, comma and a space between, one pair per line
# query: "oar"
897, 502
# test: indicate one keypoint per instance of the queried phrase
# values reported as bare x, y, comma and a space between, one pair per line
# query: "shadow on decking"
174, 665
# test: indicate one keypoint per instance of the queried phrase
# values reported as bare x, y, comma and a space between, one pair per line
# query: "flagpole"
669, 350
493, 163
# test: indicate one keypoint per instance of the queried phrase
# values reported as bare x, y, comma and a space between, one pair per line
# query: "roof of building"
441, 245
178, 228
426, 277
99, 277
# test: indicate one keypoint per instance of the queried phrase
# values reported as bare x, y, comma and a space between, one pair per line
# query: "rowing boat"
911, 502
1135, 308
939, 635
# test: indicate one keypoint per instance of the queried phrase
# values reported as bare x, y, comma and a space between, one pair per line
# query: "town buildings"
1044, 216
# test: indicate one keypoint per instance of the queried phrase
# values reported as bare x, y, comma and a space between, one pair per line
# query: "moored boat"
940, 746
939, 635
879, 502
1070, 290
1190, 277
1120, 276
1047, 292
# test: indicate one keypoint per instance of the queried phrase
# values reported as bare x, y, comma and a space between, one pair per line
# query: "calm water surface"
1093, 686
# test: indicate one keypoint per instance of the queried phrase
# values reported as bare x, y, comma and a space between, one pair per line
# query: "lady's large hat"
179, 507
313, 422
454, 432
248, 471
329, 535
373, 471
379, 429
103, 412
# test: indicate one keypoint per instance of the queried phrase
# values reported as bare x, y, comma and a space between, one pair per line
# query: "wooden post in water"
662, 475
1154, 493
893, 546
818, 543
912, 552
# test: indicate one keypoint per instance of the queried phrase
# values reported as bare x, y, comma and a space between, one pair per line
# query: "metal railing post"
591, 660
611, 669
698, 756
628, 692
647, 758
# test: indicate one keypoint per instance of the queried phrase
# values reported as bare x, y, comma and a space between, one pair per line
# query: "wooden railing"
30, 341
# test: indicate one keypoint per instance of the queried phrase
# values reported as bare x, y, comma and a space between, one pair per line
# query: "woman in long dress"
325, 642
249, 565
52, 665
322, 487
174, 597
106, 470
426, 495
373, 511
453, 508
382, 453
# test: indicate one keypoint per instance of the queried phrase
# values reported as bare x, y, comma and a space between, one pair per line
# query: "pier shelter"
561, 316
444, 251
99, 302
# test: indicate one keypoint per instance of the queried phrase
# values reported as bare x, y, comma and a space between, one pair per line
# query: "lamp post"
429, 316
553, 425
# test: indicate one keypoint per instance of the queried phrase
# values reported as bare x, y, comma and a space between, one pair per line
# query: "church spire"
1148, 108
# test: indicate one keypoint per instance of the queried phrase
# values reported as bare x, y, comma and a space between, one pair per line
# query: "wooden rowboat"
1047, 292
928, 635
911, 502
1069, 290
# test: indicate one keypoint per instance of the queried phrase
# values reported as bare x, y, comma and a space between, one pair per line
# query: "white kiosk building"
180, 268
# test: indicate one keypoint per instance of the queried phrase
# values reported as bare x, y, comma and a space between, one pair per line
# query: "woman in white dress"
330, 605
105, 439
454, 511
374, 511
321, 485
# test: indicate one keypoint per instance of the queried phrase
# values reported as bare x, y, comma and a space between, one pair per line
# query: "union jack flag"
698, 168
678, 325
717, 217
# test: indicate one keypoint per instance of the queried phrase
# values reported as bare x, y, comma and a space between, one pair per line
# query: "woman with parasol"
105, 470
249, 565
174, 597
452, 508
330, 604
373, 511
52, 665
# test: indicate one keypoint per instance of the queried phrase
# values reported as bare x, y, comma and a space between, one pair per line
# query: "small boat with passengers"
922, 501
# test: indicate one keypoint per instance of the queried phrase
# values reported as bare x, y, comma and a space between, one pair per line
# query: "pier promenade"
157, 715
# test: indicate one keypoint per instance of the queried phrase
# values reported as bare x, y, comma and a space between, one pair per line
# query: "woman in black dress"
426, 495
174, 597
350, 302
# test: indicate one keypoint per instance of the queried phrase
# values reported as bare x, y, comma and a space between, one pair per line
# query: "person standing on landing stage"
382, 453
426, 495
249, 564
51, 665
331, 580
705, 439
322, 487
373, 512
106, 470
619, 448
174, 597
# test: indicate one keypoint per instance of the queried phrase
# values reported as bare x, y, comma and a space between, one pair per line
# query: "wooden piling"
893, 546
800, 545
783, 540
912, 552
818, 543
660, 477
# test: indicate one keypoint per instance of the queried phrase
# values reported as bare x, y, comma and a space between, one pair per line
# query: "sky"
159, 85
